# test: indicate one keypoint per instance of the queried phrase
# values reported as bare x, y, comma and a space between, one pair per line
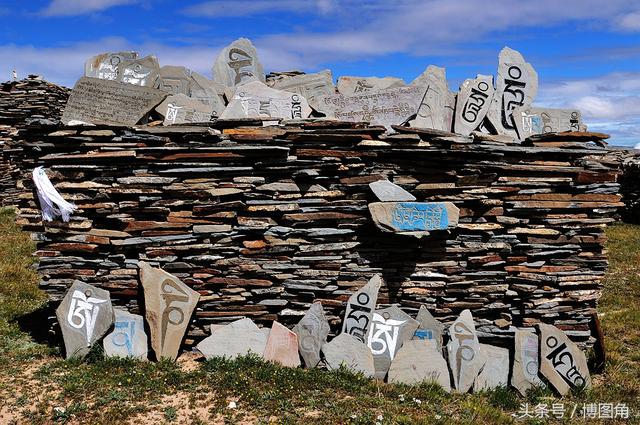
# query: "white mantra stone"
236, 339
257, 100
495, 372
238, 64
358, 85
429, 327
437, 105
105, 65
419, 361
312, 333
311, 86
360, 308
465, 358
348, 351
525, 361
128, 338
531, 120
474, 100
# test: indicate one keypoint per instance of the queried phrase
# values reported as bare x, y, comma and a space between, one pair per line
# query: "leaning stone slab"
429, 327
561, 361
432, 112
208, 92
140, 72
105, 65
420, 361
85, 315
360, 308
516, 85
390, 192
98, 101
234, 340
474, 99
282, 346
530, 121
525, 361
311, 86
495, 372
180, 109
463, 349
128, 338
348, 351
256, 100
169, 304
312, 331
238, 64
349, 86
414, 216
390, 328
174, 79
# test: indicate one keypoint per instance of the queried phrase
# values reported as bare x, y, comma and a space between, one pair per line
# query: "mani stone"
473, 103
414, 216
419, 361
174, 79
257, 100
495, 372
140, 72
435, 107
465, 358
390, 328
238, 64
107, 102
386, 191
312, 331
561, 361
128, 338
105, 66
208, 92
383, 107
350, 86
311, 86
348, 351
282, 346
180, 109
85, 315
525, 361
169, 304
236, 339
516, 85
530, 121
429, 327
360, 308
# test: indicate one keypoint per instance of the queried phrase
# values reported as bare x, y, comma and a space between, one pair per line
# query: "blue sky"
587, 53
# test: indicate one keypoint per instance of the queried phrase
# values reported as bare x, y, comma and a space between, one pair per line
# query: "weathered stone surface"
180, 109
525, 361
561, 361
429, 327
390, 192
465, 358
256, 100
390, 328
174, 80
208, 92
128, 338
516, 85
238, 64
85, 315
312, 331
349, 86
360, 309
495, 372
474, 100
420, 361
105, 65
169, 304
236, 339
432, 112
109, 102
282, 346
140, 72
530, 120
311, 86
349, 351
414, 216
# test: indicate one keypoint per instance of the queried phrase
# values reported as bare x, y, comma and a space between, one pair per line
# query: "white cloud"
228, 8
629, 22
81, 7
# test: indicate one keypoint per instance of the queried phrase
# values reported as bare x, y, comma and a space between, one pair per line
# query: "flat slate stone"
349, 86
348, 351
105, 65
128, 338
169, 304
174, 80
465, 358
360, 308
387, 191
429, 327
420, 361
530, 120
234, 340
85, 315
561, 361
495, 372
311, 86
312, 331
257, 100
414, 216
140, 71
432, 113
107, 102
208, 92
282, 346
390, 328
474, 99
181, 109
525, 361
238, 64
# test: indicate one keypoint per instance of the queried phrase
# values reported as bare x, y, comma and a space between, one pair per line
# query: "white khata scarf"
52, 203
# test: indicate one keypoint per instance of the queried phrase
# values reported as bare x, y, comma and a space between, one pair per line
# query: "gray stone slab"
390, 328
429, 327
128, 338
463, 349
257, 100
531, 120
433, 112
238, 64
349, 86
208, 92
282, 346
525, 361
181, 109
169, 304
360, 309
390, 192
348, 351
85, 315
236, 339
109, 102
414, 216
474, 100
312, 331
140, 72
174, 80
495, 372
105, 65
420, 361
311, 86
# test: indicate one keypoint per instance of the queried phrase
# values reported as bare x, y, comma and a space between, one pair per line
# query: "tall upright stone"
530, 121
312, 331
236, 339
465, 358
128, 338
256, 100
432, 112
311, 86
169, 304
85, 315
360, 309
429, 327
140, 72
105, 65
420, 361
561, 360
525, 361
349, 86
238, 64
348, 351
474, 100
282, 346
495, 372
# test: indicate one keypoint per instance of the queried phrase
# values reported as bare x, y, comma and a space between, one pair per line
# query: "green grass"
37, 386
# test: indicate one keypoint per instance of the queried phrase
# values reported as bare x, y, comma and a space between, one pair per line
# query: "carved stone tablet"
414, 216
473, 103
109, 102
530, 121
85, 315
348, 351
236, 339
432, 112
360, 308
311, 86
169, 304
140, 72
256, 100
465, 358
105, 65
357, 85
420, 361
238, 64
387, 191
495, 372
180, 109
525, 361
312, 333
429, 327
282, 346
561, 361
174, 80
208, 92
128, 338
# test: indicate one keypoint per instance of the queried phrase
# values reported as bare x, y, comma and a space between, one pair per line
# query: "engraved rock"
128, 338
180, 109
238, 64
473, 103
236, 339
349, 86
282, 346
414, 216
436, 107
530, 121
256, 100
174, 80
420, 361
429, 327
105, 65
463, 349
312, 331
208, 92
140, 72
525, 361
311, 86
495, 372
360, 308
387, 191
348, 351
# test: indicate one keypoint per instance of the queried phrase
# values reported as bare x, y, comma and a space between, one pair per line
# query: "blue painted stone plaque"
412, 216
